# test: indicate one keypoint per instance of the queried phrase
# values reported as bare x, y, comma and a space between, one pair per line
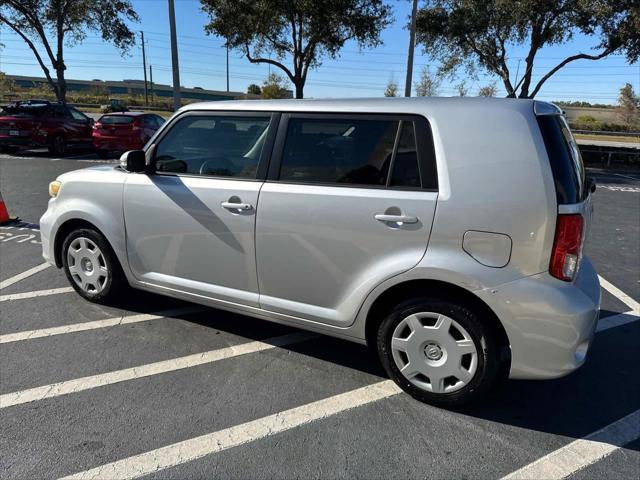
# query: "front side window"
336, 151
224, 146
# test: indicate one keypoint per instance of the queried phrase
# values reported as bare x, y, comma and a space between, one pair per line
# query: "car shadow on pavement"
604, 390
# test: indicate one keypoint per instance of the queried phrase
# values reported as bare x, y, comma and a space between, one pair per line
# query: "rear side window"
565, 159
353, 151
116, 120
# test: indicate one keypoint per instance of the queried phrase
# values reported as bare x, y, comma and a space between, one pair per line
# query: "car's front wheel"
91, 266
439, 352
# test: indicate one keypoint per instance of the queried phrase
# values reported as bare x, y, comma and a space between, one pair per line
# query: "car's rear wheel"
91, 266
439, 352
58, 145
102, 153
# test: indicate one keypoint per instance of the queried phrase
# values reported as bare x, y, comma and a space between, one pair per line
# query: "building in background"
130, 87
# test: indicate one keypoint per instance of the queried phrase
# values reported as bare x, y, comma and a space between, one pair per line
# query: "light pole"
174, 57
412, 42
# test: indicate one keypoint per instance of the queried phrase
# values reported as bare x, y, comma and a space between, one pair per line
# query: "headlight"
54, 188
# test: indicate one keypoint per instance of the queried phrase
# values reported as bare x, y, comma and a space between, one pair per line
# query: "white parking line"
107, 322
36, 293
147, 370
194, 448
620, 295
616, 321
23, 275
583, 452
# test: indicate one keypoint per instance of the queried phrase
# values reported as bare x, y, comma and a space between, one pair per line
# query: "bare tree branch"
269, 61
580, 56
33, 49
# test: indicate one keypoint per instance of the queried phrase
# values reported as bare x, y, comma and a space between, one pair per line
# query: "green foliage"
462, 88
469, 34
587, 122
628, 106
564, 103
488, 90
301, 32
392, 89
274, 86
48, 26
254, 89
428, 84
6, 85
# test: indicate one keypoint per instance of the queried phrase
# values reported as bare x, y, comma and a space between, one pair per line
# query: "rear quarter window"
564, 158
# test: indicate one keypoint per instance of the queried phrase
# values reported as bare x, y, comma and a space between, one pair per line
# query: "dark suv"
43, 124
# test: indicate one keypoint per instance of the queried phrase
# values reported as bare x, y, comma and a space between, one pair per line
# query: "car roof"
412, 105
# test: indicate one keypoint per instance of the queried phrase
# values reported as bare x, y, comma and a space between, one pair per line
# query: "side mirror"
591, 184
133, 161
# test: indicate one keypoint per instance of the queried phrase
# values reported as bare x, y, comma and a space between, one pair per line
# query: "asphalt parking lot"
168, 389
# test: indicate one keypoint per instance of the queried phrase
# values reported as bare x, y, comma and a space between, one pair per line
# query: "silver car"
446, 234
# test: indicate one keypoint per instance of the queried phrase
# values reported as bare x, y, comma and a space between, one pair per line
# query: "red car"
119, 132
43, 124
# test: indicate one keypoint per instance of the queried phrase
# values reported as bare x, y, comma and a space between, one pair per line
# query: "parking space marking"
107, 322
36, 293
620, 295
23, 275
194, 448
147, 370
616, 320
583, 452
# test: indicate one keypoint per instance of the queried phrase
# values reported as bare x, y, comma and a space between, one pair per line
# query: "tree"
488, 90
47, 26
478, 33
274, 86
392, 88
427, 85
628, 105
254, 89
462, 88
302, 31
6, 84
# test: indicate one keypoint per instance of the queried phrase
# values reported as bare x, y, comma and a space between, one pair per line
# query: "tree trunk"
61, 87
299, 83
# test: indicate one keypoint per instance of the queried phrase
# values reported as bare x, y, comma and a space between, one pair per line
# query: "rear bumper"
115, 144
550, 323
17, 141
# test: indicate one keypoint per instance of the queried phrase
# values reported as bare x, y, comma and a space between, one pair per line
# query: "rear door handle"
382, 217
236, 206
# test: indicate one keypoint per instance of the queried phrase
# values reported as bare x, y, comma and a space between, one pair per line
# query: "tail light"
97, 125
567, 246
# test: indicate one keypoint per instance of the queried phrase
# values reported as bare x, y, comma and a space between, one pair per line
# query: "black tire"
102, 153
488, 370
114, 284
58, 145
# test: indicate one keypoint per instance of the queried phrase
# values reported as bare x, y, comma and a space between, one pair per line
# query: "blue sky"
352, 74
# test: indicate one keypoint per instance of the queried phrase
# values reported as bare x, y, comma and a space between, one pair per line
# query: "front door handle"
236, 206
383, 217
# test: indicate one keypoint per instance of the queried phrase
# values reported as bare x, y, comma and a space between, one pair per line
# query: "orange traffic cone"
4, 214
